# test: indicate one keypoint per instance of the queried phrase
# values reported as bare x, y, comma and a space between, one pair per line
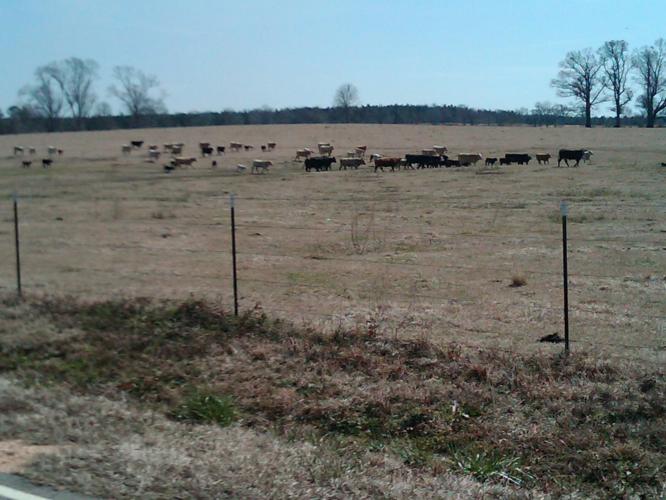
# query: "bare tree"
650, 66
75, 77
580, 78
45, 98
614, 57
346, 97
134, 91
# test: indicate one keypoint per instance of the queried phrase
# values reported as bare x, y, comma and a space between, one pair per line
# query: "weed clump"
205, 408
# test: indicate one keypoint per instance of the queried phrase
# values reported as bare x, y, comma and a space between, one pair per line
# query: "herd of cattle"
428, 158
51, 151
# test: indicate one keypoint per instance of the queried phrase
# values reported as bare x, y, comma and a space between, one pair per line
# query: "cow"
61, 152
519, 158
303, 153
451, 163
388, 162
422, 161
319, 163
248, 147
52, 150
126, 149
543, 158
325, 149
220, 150
26, 163
490, 161
271, 146
440, 150
351, 163
168, 168
469, 158
136, 144
206, 151
32, 151
570, 154
587, 156
263, 148
182, 160
429, 152
504, 161
18, 150
235, 146
353, 154
203, 145
47, 162
241, 168
176, 149
262, 165
154, 154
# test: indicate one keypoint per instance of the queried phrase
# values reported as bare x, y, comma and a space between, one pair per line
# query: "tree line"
63, 97
606, 75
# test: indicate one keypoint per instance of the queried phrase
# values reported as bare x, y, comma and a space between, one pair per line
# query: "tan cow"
469, 158
440, 150
182, 160
325, 149
303, 153
235, 146
262, 165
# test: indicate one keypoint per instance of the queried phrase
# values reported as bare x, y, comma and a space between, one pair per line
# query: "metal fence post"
564, 210
19, 291
233, 251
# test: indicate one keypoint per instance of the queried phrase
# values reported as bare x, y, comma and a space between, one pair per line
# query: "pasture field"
412, 253
417, 371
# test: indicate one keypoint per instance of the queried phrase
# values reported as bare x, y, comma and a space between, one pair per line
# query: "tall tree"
580, 78
134, 89
651, 76
45, 98
614, 57
75, 77
346, 97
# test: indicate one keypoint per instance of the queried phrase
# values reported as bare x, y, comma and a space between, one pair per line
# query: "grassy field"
417, 253
409, 366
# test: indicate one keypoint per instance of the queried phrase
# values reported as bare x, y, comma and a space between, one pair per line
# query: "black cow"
206, 150
451, 163
135, 144
220, 150
504, 161
490, 161
519, 158
422, 161
47, 162
570, 154
319, 163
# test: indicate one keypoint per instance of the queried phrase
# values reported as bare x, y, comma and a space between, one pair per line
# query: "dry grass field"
429, 252
418, 372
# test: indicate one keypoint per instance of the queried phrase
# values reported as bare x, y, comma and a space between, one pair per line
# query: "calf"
248, 147
32, 151
490, 161
126, 149
504, 161
26, 163
47, 162
271, 146
263, 148
220, 150
543, 158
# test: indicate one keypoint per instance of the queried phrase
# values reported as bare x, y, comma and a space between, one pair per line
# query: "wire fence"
454, 282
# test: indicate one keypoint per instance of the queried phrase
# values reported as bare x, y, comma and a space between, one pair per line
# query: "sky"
211, 55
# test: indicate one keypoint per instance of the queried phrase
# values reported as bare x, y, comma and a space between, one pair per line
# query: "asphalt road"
13, 487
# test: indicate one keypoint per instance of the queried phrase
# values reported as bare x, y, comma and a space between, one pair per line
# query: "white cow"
262, 165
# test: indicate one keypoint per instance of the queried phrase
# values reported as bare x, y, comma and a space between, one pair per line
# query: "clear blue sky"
216, 54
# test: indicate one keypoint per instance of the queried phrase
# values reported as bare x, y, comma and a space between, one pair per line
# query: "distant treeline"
21, 120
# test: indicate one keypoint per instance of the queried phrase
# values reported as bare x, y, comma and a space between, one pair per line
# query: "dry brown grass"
434, 247
362, 399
